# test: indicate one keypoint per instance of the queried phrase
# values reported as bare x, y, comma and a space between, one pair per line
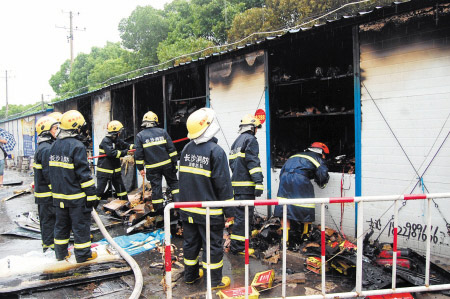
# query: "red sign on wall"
261, 115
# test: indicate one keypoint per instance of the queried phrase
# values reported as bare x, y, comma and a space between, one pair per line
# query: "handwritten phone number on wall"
415, 231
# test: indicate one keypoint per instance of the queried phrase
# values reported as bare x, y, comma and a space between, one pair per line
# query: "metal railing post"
359, 246
394, 249
428, 254
359, 253
168, 251
208, 254
247, 258
285, 234
322, 228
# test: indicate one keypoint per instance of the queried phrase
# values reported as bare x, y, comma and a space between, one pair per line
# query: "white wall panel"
409, 81
237, 88
101, 115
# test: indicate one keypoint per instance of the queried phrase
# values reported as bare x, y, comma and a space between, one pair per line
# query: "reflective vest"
70, 176
204, 176
245, 165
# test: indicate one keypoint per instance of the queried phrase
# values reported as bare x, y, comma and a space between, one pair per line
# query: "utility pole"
42, 101
70, 37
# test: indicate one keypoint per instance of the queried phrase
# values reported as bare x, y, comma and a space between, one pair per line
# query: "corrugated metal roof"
361, 15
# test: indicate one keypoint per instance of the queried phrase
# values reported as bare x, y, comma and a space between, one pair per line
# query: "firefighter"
46, 128
155, 151
204, 176
295, 182
108, 168
247, 178
73, 189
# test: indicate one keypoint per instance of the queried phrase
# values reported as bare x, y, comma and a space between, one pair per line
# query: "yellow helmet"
56, 115
199, 121
250, 119
72, 120
44, 124
114, 126
150, 116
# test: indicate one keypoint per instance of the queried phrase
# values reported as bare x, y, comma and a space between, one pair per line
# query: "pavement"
150, 263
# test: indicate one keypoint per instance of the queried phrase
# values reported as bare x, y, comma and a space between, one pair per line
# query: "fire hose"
139, 281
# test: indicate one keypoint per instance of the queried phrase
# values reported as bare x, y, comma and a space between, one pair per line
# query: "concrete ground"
121, 287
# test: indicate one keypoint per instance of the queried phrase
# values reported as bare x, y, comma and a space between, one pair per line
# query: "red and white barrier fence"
323, 201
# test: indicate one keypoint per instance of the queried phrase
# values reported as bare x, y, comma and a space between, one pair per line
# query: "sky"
32, 49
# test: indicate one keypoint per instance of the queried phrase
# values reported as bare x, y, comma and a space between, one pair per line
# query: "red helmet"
321, 146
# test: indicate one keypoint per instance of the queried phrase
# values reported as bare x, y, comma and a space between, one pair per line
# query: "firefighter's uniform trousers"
247, 176
109, 169
74, 196
154, 176
155, 151
204, 176
295, 182
43, 194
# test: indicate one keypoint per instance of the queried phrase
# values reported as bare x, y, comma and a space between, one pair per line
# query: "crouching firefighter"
295, 182
155, 151
46, 128
73, 189
204, 176
108, 168
247, 178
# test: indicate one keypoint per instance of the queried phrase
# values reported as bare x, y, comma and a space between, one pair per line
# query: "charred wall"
149, 97
122, 110
185, 92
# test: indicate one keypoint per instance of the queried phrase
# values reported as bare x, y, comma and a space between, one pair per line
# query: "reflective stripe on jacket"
114, 149
154, 148
204, 176
42, 192
70, 176
245, 165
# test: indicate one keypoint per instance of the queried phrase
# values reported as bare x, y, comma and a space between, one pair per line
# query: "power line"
283, 30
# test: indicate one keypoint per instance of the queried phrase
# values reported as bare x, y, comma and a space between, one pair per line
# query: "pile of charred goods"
341, 255
137, 212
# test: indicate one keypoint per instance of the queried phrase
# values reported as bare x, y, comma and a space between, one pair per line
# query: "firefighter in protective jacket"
108, 168
73, 189
204, 176
247, 178
295, 182
155, 151
46, 128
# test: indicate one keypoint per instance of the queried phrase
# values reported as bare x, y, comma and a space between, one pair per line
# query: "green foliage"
143, 30
169, 50
18, 110
90, 71
155, 38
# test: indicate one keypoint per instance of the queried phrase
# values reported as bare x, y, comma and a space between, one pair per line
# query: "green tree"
59, 81
89, 71
169, 50
143, 30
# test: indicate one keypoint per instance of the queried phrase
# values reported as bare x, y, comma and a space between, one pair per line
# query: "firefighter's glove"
258, 192
92, 204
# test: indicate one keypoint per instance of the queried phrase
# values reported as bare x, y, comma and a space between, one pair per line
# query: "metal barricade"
322, 201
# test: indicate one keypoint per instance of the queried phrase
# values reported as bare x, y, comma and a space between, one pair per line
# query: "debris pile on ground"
340, 255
